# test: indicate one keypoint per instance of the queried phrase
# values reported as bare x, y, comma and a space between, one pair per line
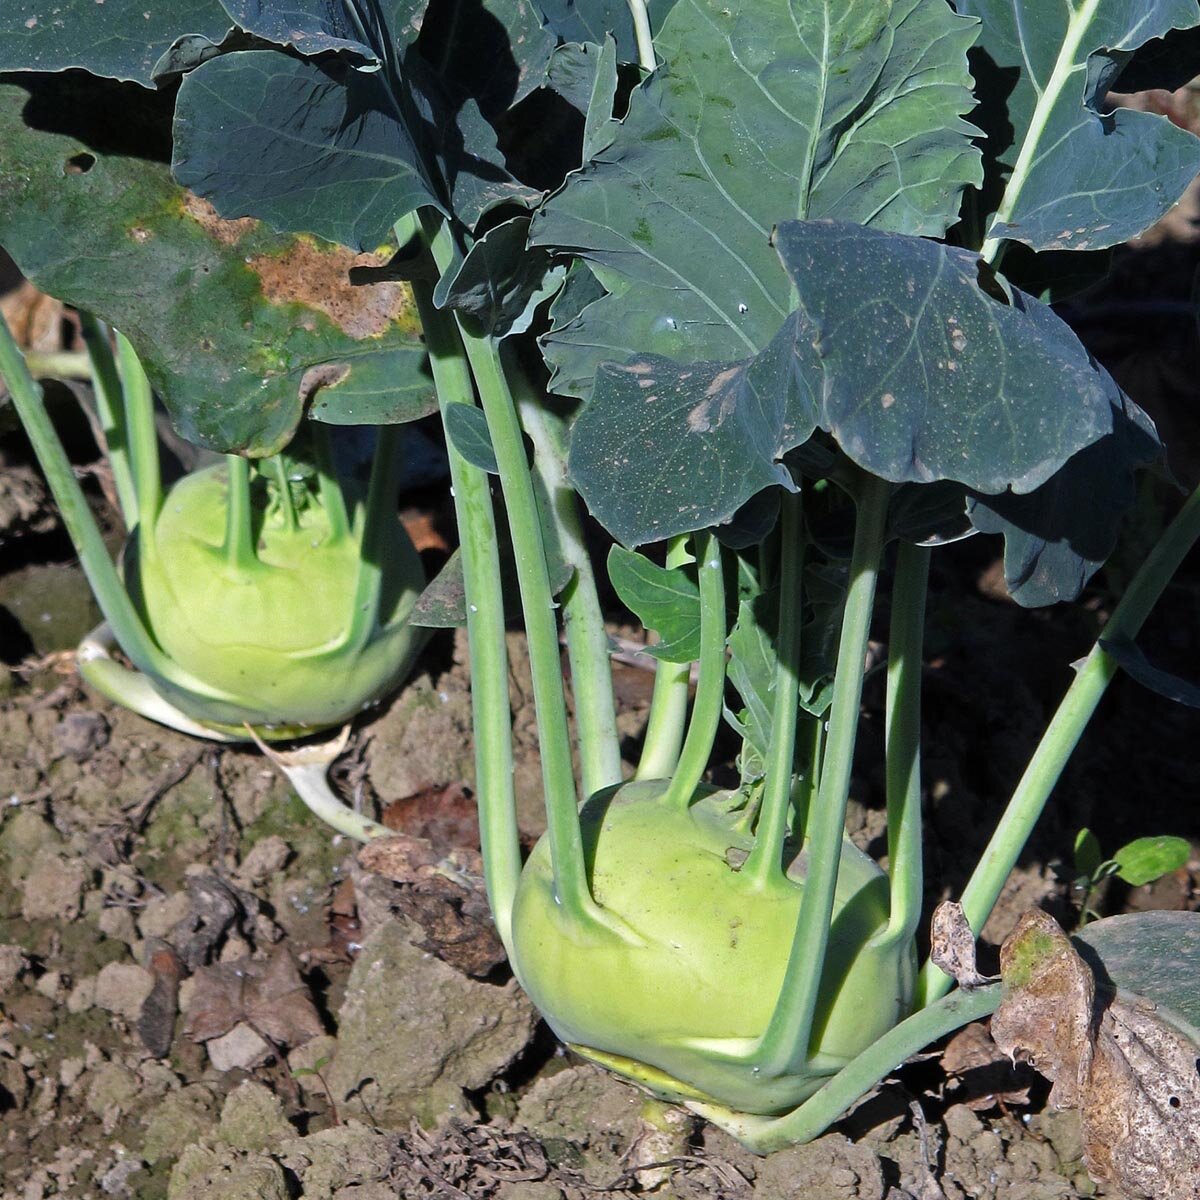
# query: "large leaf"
1077, 176
306, 147
237, 325
763, 111
494, 51
117, 40
1137, 666
367, 31
591, 20
917, 371
1053, 543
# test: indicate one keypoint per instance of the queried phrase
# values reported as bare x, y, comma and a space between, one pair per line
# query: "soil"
203, 993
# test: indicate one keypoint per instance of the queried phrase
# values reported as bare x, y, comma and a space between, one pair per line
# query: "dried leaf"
156, 1021
267, 995
1115, 1056
979, 1075
953, 945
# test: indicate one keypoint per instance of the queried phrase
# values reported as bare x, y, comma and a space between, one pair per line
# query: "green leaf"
237, 326
666, 600
118, 40
916, 370
1088, 855
1076, 175
592, 20
494, 51
1152, 954
585, 75
751, 670
305, 147
1149, 858
762, 112
1137, 666
499, 283
467, 428
929, 514
1053, 544
364, 30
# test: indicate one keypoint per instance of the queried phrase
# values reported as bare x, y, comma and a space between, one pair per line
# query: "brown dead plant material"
1132, 1075
444, 895
268, 995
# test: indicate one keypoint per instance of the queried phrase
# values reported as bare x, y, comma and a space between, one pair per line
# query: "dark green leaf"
664, 600
752, 522
386, 387
752, 673
305, 147
929, 514
917, 372
1077, 176
472, 164
443, 603
586, 77
363, 29
1149, 858
467, 429
1136, 665
500, 281
119, 40
237, 326
495, 52
1151, 954
761, 112
1053, 544
591, 20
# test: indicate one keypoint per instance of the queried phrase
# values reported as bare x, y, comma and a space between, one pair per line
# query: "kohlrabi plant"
266, 599
790, 267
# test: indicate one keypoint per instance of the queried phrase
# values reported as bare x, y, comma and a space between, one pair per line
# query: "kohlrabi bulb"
293, 637
677, 1006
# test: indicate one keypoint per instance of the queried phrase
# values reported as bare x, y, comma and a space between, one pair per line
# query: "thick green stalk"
765, 865
785, 1044
667, 719
1064, 731
142, 436
333, 499
538, 604
287, 506
583, 620
710, 689
766, 1134
903, 743
378, 525
478, 549
238, 547
110, 408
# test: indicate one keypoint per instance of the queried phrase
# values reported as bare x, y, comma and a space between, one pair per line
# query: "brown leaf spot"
317, 276
217, 227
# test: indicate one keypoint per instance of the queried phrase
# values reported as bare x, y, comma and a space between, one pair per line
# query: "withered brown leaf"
268, 995
1119, 1059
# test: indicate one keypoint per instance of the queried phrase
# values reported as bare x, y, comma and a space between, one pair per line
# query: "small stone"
53, 889
69, 1071
122, 988
79, 735
117, 923
962, 1123
162, 914
179, 1119
111, 1087
253, 1119
242, 1047
83, 995
115, 1181
50, 984
12, 963
266, 858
